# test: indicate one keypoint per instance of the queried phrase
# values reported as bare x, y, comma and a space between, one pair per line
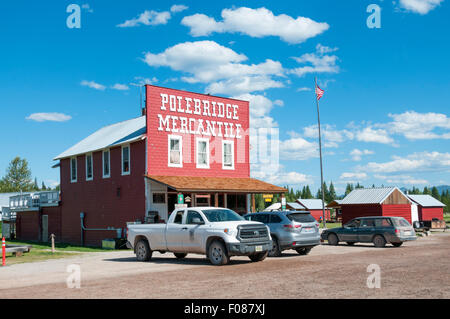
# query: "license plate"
258, 248
308, 230
407, 233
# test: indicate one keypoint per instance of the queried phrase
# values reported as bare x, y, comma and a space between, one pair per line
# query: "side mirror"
197, 221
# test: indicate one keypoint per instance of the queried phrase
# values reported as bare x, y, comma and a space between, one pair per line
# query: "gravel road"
418, 269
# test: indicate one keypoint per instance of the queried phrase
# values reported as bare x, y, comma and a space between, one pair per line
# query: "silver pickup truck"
218, 233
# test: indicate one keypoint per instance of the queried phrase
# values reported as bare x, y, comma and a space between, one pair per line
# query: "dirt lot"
418, 269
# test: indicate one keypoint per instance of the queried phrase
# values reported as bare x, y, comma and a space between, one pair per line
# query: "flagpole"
320, 153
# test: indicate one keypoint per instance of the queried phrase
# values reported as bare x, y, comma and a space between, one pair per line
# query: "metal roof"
311, 203
276, 206
426, 201
109, 136
369, 195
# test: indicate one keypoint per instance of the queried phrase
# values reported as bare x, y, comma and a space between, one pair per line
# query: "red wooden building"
314, 206
428, 207
388, 201
186, 145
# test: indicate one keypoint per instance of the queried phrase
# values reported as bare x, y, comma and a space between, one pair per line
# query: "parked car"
378, 230
289, 230
218, 233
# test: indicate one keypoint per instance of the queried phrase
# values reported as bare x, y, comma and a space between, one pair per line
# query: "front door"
44, 228
192, 240
174, 233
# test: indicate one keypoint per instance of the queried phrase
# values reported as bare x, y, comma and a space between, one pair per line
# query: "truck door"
192, 237
174, 233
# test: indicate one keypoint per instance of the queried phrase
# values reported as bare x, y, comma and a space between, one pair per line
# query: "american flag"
319, 92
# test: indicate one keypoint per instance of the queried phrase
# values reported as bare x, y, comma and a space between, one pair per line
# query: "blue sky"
385, 112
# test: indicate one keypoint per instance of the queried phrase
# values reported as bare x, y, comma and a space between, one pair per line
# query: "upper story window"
89, 168
73, 169
175, 151
202, 153
228, 155
126, 160
106, 164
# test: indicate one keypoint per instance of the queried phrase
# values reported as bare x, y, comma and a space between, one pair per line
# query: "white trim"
92, 166
76, 169
223, 154
109, 163
129, 159
180, 139
197, 140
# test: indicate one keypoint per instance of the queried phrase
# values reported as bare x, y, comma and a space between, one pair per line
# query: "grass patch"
447, 218
61, 247
36, 255
331, 225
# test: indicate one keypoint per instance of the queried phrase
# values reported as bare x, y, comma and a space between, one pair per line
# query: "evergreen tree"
308, 193
349, 188
435, 193
332, 193
44, 188
35, 186
18, 177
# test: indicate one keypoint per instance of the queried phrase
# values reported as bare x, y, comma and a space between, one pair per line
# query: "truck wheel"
143, 252
303, 251
397, 244
217, 253
258, 257
379, 241
275, 251
333, 240
180, 255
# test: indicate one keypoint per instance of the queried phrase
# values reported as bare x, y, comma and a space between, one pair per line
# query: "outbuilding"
386, 201
428, 207
315, 207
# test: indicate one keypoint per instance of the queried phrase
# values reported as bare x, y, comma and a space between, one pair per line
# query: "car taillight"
397, 231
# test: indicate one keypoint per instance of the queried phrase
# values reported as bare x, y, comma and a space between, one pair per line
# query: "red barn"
314, 206
428, 207
388, 201
187, 148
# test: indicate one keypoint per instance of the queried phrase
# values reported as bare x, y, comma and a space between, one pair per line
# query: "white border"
92, 166
109, 163
76, 169
174, 137
129, 159
197, 140
223, 154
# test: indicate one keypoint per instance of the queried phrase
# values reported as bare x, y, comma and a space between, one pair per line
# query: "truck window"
191, 215
178, 217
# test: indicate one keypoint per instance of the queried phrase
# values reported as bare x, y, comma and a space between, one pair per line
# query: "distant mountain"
443, 188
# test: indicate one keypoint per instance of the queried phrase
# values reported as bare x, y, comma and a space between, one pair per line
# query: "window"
353, 223
89, 169
126, 160
179, 217
106, 164
202, 153
228, 155
73, 169
175, 151
275, 219
384, 222
159, 198
367, 223
191, 215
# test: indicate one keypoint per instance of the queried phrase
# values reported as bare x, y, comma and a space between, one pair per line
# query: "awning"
217, 184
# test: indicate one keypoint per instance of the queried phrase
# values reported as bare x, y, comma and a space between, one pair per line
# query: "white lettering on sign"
205, 127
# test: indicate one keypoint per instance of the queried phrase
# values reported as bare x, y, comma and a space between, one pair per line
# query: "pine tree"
332, 193
18, 177
435, 193
349, 188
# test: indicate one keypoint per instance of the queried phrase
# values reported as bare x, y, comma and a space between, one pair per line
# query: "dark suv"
377, 230
289, 230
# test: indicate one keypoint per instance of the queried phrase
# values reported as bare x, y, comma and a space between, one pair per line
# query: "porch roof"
217, 184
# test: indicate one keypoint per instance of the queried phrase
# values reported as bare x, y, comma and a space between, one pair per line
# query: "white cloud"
120, 87
303, 89
420, 6
297, 148
370, 134
148, 17
358, 154
142, 81
256, 23
219, 66
352, 177
319, 62
402, 179
419, 126
278, 102
93, 85
280, 177
178, 8
416, 162
51, 117
330, 134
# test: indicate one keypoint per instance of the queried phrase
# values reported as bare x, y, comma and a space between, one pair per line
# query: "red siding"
428, 213
402, 210
352, 211
99, 198
27, 225
54, 221
317, 214
158, 140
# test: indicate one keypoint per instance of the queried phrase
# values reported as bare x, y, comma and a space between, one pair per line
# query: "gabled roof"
369, 195
108, 136
426, 201
311, 203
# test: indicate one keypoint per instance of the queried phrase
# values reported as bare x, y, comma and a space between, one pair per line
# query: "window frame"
92, 166
129, 160
109, 163
197, 141
180, 139
71, 169
232, 154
